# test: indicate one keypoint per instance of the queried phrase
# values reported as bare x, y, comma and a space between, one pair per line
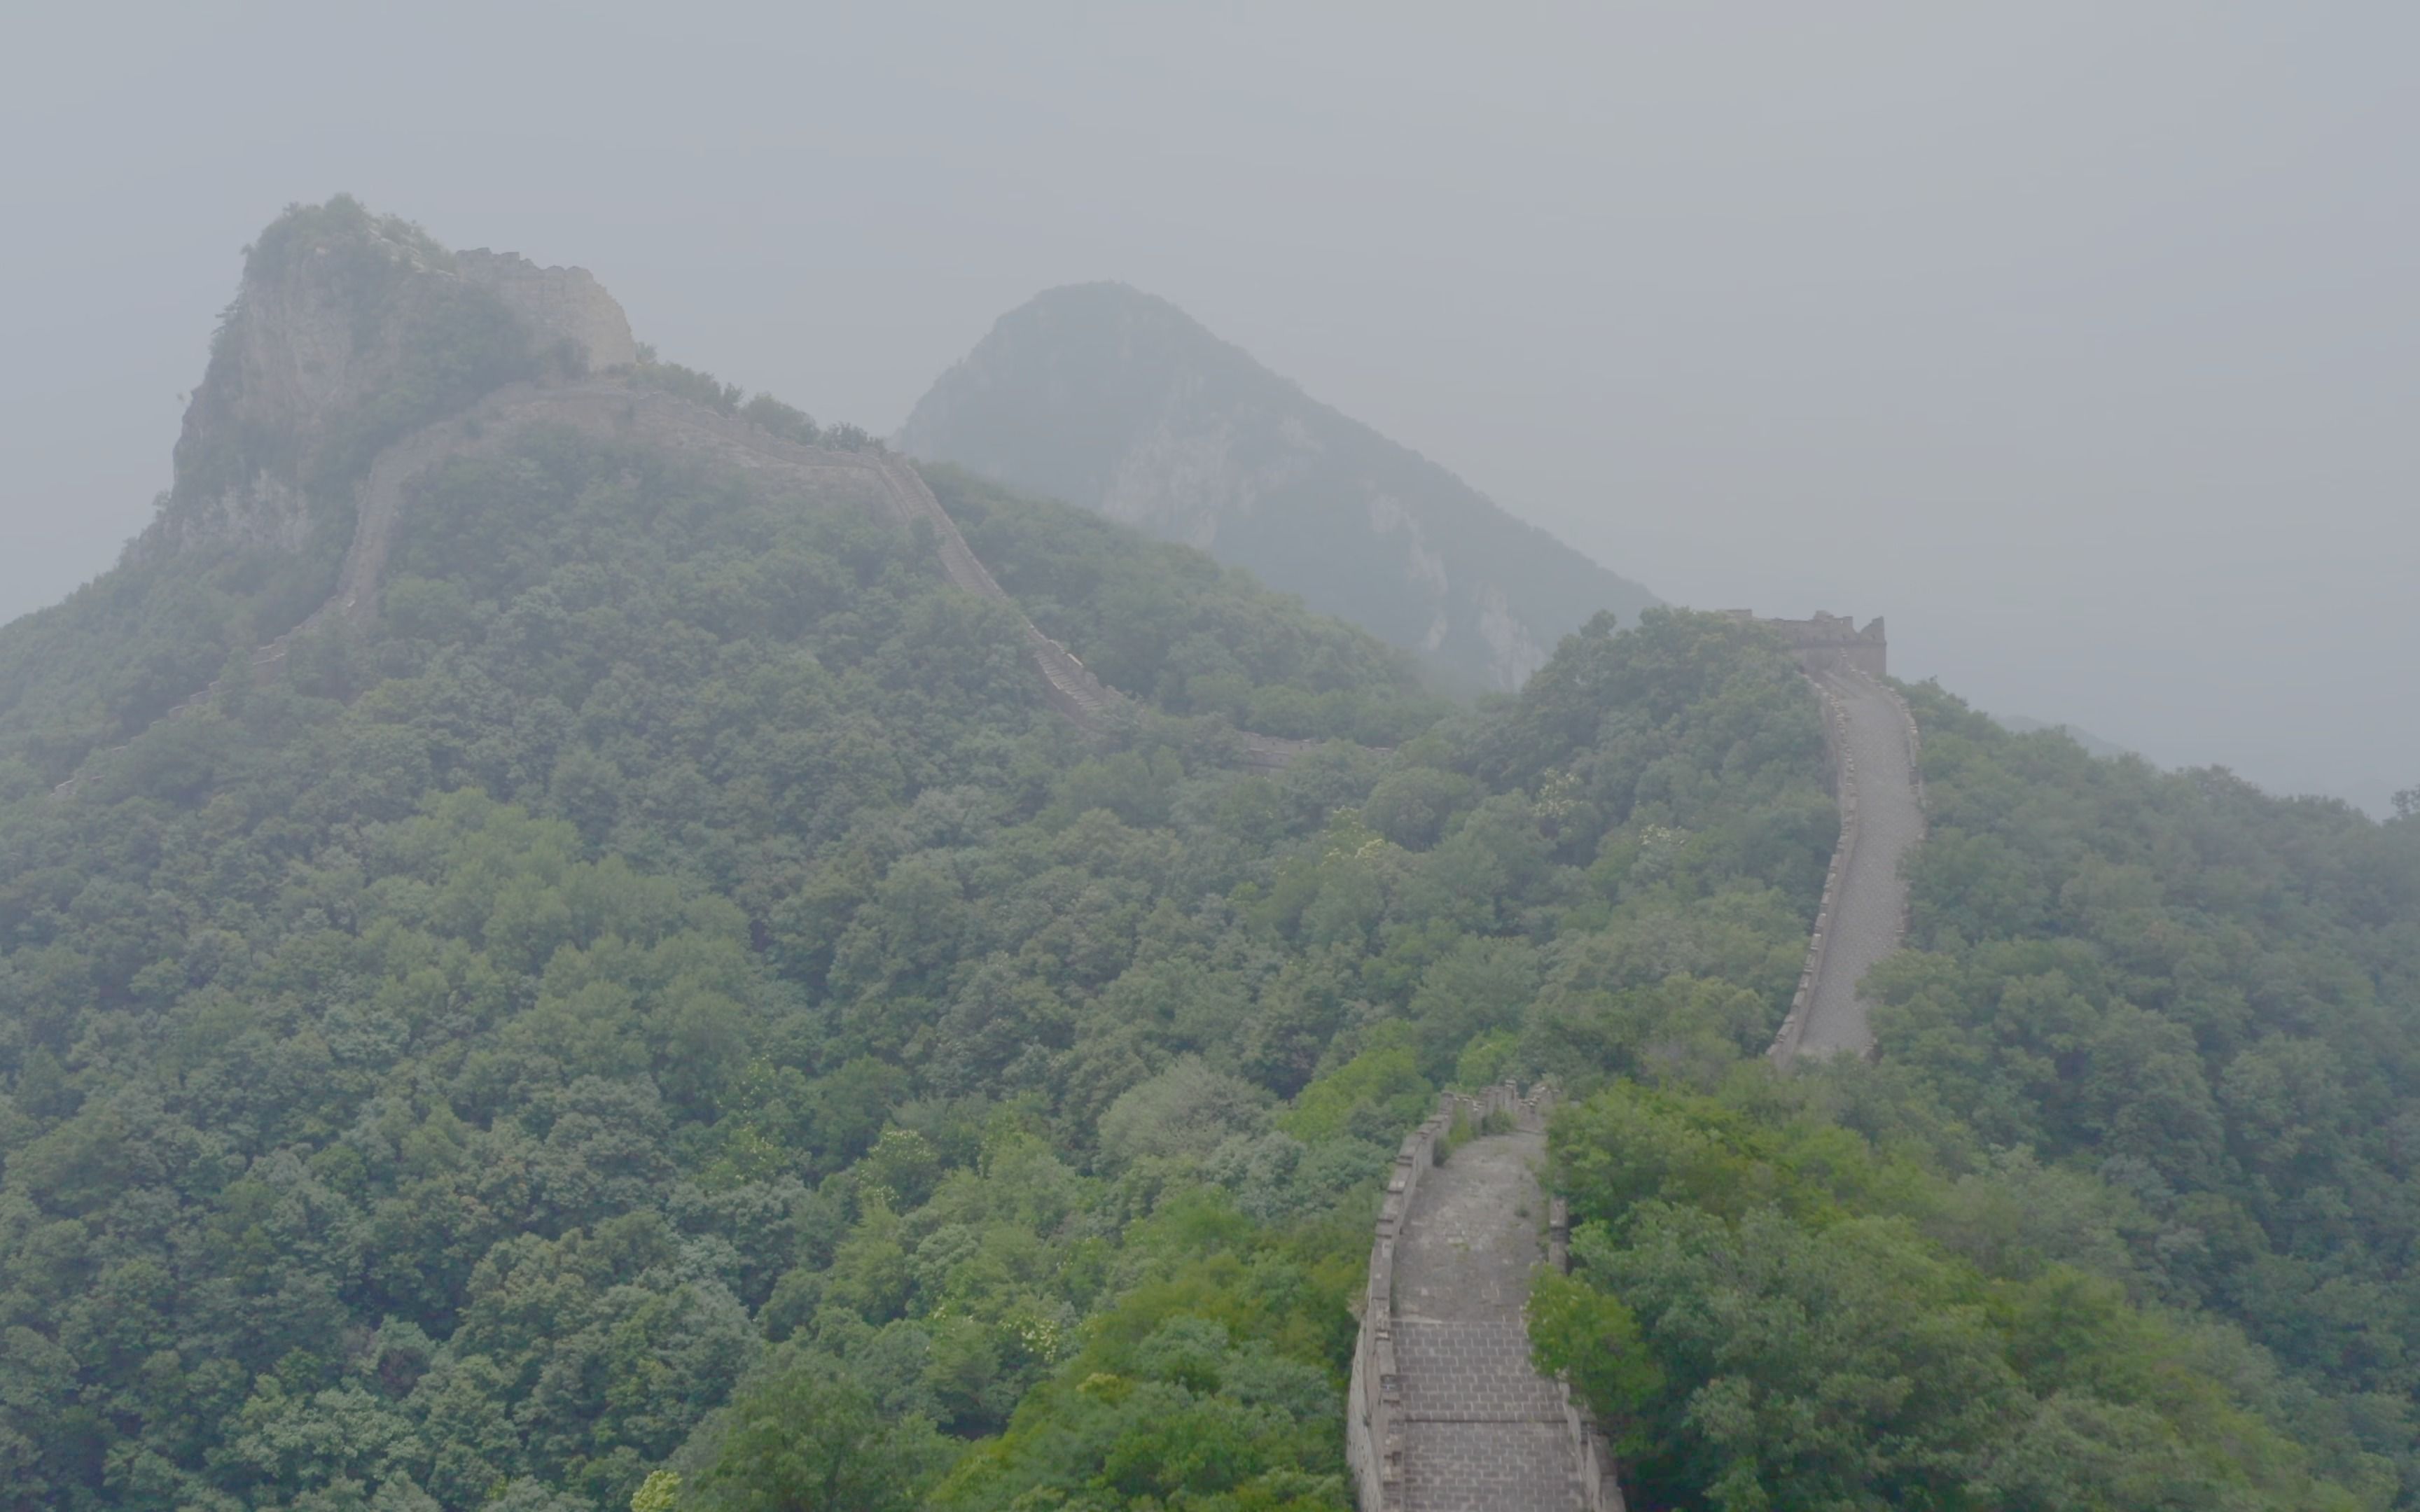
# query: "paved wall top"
1447, 1413
1863, 917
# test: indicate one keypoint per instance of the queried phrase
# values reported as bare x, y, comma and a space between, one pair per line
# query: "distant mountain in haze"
1118, 401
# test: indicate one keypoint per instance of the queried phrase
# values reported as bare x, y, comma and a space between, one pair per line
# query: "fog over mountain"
1108, 398
1128, 934
2077, 341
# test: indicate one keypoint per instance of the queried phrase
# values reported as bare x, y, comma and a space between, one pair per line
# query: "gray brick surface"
1488, 1467
1871, 912
1483, 1430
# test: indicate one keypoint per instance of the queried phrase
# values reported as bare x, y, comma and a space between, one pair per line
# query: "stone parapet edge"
1844, 788
1374, 1429
1835, 740
1600, 1484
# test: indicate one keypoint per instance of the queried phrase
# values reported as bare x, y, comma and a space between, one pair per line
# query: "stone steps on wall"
1448, 1412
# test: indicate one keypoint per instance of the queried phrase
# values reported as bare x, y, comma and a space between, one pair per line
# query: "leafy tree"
1768, 1311
802, 1441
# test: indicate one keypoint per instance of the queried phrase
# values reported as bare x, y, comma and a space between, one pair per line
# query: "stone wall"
1068, 683
1373, 1428
618, 410
1830, 642
559, 305
1844, 792
1876, 811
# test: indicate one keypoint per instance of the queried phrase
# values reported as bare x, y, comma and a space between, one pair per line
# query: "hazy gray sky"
2079, 339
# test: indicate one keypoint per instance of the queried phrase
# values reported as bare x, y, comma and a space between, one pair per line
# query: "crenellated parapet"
1829, 642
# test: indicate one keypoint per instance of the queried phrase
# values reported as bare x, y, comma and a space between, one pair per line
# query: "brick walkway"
1871, 913
1483, 1431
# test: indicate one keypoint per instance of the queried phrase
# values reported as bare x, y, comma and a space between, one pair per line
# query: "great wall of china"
1446, 1411
1869, 735
620, 410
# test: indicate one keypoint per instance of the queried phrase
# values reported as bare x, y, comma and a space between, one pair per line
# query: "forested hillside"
2125, 1206
678, 957
2211, 997
666, 1011
663, 1015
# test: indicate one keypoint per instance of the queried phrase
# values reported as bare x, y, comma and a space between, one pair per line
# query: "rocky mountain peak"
350, 329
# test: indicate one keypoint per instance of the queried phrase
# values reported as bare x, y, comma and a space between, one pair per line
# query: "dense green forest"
2124, 1206
671, 992
668, 1019
120, 650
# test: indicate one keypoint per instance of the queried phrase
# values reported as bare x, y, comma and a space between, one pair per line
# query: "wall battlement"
557, 303
1829, 642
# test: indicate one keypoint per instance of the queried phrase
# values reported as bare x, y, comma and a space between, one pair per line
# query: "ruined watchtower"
1830, 642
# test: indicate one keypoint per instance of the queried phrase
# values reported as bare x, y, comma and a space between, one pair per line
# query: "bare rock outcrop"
348, 332
359, 353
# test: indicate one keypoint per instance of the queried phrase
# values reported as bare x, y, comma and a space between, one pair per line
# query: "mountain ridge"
335, 313
348, 331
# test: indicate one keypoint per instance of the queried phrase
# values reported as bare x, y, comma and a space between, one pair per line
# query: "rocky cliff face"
1118, 401
358, 355
348, 331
